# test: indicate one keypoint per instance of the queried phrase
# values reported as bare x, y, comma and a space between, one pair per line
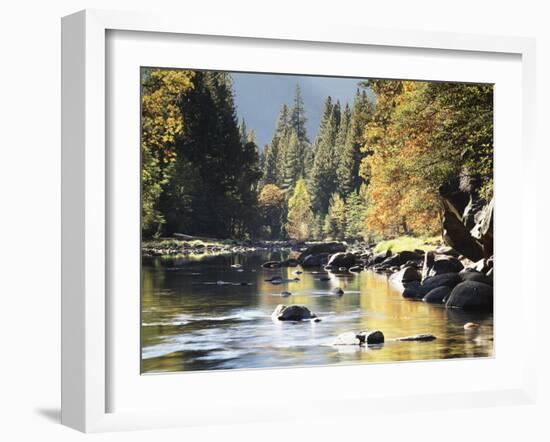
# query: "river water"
191, 321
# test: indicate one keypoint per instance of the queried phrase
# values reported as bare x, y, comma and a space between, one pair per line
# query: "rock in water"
437, 295
365, 337
338, 291
471, 295
424, 337
341, 260
371, 337
447, 279
473, 275
405, 275
292, 313
322, 248
285, 294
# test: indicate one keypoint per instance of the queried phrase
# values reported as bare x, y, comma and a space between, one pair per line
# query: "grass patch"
408, 243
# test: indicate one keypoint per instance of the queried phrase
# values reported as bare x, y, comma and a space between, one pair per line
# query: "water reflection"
193, 320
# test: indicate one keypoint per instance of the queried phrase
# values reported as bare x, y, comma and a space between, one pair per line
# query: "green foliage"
356, 206
272, 206
335, 221
300, 215
402, 243
322, 177
348, 177
161, 124
205, 180
423, 136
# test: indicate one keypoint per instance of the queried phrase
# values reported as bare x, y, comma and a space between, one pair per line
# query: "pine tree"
350, 156
279, 144
300, 216
335, 221
293, 164
243, 132
342, 135
298, 116
269, 164
322, 177
356, 213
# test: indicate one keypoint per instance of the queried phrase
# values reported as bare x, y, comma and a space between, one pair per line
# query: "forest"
374, 170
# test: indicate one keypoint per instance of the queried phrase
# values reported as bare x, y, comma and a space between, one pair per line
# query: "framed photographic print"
269, 215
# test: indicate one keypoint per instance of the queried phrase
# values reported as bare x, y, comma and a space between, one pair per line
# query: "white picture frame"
86, 356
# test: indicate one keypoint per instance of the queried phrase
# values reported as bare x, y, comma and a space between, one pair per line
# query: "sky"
259, 98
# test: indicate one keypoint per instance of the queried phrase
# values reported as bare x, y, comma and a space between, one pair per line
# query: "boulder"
292, 313
474, 275
446, 264
322, 248
315, 260
447, 279
401, 258
467, 218
471, 295
413, 290
374, 337
370, 337
338, 291
377, 258
405, 275
437, 295
446, 250
341, 259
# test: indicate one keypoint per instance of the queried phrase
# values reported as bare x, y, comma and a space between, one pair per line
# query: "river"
190, 321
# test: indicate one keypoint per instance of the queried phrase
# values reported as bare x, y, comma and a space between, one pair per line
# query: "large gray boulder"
467, 218
341, 259
471, 295
327, 247
292, 313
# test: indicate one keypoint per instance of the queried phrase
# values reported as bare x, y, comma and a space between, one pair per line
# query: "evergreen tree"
322, 177
335, 221
269, 164
280, 142
298, 116
243, 132
350, 156
292, 167
342, 135
300, 216
356, 214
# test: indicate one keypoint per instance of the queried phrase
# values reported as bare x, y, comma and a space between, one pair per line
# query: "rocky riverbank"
441, 276
178, 247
